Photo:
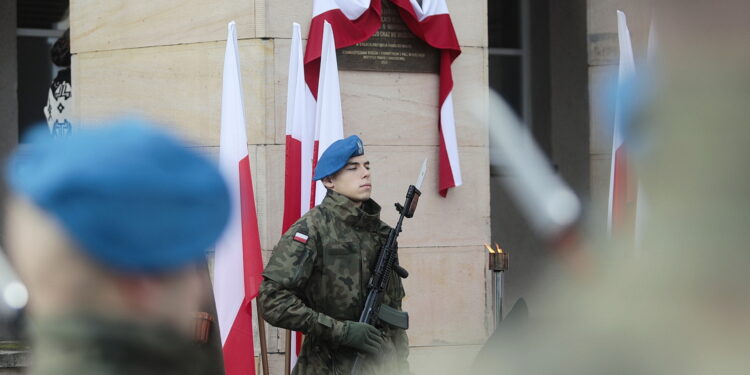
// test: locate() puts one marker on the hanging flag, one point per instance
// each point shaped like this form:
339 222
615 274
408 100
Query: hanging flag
238 263
354 21
652 44
300 140
431 22
329 121
621 190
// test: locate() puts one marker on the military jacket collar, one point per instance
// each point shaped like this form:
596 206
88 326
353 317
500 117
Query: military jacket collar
367 216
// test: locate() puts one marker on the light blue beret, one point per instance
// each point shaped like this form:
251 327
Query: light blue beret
132 197
337 155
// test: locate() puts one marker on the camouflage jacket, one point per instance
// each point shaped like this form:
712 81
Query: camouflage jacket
88 345
317 278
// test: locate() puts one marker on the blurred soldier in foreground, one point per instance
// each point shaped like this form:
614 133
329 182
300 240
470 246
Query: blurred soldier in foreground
107 228
682 305
316 279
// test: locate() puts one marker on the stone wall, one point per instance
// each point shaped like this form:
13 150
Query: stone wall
164 59
8 91
8 78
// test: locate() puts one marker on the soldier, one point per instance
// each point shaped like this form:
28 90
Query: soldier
316 279
107 228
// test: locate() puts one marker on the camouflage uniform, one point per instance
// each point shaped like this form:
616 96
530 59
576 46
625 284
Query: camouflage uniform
315 286
88 345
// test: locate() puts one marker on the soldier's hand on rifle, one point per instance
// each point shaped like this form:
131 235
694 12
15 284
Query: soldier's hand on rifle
363 337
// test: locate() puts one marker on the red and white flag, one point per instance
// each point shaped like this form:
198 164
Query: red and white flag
621 185
300 143
300 137
329 121
431 22
354 21
238 262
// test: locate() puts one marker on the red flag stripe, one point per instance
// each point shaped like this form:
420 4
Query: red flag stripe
313 185
622 181
239 345
252 257
238 263
623 191
292 182
348 33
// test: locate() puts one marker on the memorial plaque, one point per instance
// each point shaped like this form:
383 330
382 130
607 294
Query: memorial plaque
393 48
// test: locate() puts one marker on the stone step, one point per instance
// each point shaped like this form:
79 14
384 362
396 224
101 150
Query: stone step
14 357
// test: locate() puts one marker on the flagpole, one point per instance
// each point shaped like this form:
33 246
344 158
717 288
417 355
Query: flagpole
262 338
288 353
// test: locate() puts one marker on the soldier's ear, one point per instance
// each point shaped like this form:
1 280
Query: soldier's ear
328 182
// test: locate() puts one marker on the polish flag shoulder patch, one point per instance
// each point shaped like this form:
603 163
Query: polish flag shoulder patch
301 238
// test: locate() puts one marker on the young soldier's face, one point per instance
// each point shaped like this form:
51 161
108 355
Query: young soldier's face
353 180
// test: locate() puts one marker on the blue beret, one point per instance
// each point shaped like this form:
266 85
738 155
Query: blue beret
337 155
132 197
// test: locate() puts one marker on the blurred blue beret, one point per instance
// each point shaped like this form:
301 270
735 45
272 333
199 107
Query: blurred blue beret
134 198
337 155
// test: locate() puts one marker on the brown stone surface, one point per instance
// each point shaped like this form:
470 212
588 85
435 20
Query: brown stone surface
178 85
442 359
445 295
281 13
460 219
602 29
118 24
399 108
602 103
600 175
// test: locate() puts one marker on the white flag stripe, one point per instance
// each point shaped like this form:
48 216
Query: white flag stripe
448 128
352 9
626 73
229 284
329 122
429 8
294 100
295 353
301 117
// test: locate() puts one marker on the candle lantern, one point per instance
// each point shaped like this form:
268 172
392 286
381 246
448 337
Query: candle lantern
498 265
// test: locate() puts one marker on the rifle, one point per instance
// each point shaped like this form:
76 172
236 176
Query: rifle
374 309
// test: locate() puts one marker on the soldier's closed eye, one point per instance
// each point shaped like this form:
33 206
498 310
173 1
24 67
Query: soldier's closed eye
354 166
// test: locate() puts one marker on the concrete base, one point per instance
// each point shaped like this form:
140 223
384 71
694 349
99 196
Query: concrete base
436 360
13 361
